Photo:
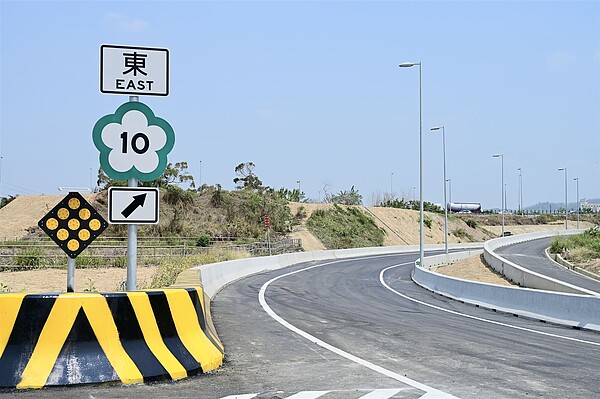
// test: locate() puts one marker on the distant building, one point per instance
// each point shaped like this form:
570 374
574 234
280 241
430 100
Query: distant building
592 206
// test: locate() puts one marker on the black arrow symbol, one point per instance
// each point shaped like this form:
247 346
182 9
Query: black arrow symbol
138 200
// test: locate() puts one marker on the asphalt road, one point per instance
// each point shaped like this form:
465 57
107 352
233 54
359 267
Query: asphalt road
531 255
360 328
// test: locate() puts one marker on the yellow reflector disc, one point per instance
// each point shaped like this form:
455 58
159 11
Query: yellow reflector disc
63 213
51 224
84 234
84 214
95 224
74 203
73 245
62 234
74 224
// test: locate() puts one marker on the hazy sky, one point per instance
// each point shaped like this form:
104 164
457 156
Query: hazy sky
312 91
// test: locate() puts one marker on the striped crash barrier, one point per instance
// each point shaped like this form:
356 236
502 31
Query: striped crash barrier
132 337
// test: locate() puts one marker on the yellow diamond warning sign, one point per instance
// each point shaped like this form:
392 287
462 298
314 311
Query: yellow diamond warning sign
73 224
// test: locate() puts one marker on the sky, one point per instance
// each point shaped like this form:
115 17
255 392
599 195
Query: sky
311 92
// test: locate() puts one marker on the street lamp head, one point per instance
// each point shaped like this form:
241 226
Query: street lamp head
497 155
409 64
562 168
437 128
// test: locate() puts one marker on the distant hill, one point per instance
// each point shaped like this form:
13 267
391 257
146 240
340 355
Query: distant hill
555 206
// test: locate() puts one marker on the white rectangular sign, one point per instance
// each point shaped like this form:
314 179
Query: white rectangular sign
133 205
136 71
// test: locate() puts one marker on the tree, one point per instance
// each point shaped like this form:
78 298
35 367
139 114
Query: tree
294 195
246 178
351 197
6 200
174 174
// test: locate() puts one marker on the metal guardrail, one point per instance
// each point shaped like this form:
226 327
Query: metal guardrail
43 253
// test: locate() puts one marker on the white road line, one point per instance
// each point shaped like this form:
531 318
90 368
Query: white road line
261 298
248 396
308 395
475 317
381 394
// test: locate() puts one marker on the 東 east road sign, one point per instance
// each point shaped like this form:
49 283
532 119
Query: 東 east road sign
135 71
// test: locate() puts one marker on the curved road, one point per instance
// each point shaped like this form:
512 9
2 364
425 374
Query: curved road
360 328
531 255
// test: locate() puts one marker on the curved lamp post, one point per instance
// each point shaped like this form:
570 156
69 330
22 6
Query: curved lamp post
421 233
501 156
566 203
445 202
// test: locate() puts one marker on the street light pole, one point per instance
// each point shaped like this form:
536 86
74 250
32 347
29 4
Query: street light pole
577 188
392 187
421 229
445 200
566 203
501 156
520 191
449 195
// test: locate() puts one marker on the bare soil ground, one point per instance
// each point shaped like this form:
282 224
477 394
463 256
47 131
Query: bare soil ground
473 269
88 279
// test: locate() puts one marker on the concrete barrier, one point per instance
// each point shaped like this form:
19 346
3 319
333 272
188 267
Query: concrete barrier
582 311
522 276
215 276
75 338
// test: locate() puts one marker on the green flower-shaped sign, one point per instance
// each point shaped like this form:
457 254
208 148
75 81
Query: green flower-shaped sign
133 143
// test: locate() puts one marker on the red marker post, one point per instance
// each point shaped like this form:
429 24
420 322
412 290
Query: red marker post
268 228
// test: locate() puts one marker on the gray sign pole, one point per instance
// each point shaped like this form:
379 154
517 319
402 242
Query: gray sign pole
132 238
70 274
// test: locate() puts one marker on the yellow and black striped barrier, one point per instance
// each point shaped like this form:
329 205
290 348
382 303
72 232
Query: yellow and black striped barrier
132 337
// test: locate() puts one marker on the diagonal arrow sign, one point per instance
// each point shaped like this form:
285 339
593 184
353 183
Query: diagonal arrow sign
138 201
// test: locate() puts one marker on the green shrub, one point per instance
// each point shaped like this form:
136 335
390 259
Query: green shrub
471 223
171 268
461 233
30 257
345 228
89 285
85 260
559 245
580 247
120 261
203 241
426 221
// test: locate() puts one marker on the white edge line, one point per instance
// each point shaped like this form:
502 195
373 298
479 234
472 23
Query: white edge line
340 352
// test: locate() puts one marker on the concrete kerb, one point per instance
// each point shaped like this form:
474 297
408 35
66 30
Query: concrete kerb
575 310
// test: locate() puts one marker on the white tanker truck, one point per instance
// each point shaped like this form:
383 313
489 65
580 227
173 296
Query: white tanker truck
464 207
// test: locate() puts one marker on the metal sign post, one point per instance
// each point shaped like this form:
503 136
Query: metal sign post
70 275
131 248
